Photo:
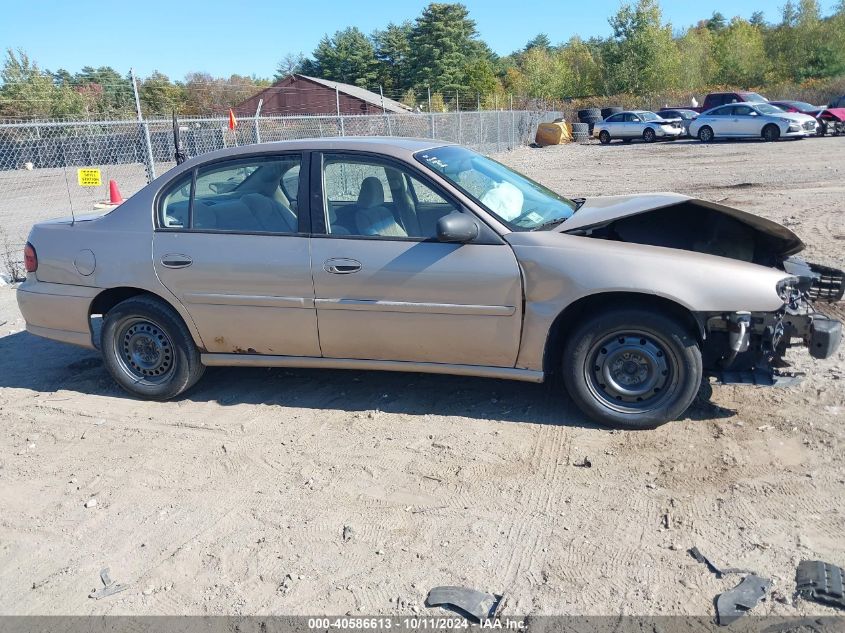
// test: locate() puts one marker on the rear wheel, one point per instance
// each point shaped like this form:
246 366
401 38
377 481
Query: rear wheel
771 132
632 368
604 137
148 350
705 134
649 135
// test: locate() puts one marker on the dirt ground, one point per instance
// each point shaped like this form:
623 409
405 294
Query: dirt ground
306 492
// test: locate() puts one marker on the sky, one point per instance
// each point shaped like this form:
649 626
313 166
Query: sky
249 38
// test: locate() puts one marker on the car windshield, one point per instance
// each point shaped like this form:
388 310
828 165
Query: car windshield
519 202
801 105
648 116
753 96
768 108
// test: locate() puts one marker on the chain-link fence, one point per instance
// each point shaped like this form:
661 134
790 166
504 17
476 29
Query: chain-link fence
39 160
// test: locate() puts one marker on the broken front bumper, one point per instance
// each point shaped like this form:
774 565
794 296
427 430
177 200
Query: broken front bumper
750 347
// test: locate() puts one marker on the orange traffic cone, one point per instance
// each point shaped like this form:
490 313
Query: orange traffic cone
114 193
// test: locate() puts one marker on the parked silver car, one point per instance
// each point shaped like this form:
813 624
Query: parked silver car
751 120
634 124
411 255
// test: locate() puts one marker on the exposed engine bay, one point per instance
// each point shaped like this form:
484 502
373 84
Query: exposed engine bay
741 347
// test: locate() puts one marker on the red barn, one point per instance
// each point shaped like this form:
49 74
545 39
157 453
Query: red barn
300 94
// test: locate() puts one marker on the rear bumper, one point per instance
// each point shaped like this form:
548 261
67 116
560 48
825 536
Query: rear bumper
57 311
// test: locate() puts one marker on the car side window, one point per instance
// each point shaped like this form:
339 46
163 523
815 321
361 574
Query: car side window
373 198
247 195
175 206
632 118
615 118
742 111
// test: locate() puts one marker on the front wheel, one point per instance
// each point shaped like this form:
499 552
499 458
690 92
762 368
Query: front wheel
632 368
604 137
705 134
649 135
771 133
148 350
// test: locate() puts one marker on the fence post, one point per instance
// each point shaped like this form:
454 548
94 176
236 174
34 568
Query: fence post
339 115
480 122
384 112
513 125
498 124
458 109
431 113
144 129
258 114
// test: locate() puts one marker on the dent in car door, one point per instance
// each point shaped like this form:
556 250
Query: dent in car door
385 296
247 285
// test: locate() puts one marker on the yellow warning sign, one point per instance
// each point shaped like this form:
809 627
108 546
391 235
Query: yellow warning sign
89 177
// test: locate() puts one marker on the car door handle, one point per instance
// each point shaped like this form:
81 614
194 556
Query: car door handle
176 261
341 266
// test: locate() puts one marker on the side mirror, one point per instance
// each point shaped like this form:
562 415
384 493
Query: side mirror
457 228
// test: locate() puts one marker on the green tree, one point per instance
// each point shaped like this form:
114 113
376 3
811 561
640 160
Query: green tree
541 40
716 22
698 67
160 96
348 57
28 91
392 50
641 55
443 44
740 55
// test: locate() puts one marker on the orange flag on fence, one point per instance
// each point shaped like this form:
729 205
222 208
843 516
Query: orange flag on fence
233 122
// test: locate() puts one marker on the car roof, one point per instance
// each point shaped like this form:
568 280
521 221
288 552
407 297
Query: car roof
398 147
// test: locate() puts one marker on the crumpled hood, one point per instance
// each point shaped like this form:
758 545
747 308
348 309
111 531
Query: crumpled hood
600 211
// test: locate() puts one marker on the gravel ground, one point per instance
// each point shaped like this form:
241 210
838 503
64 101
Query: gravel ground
303 492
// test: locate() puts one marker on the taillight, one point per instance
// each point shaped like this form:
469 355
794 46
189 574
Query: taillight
30 258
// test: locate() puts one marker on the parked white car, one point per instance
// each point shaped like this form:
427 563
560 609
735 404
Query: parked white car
641 124
751 120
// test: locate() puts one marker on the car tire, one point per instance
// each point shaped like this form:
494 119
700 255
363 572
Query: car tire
705 134
148 349
632 368
649 135
604 137
771 133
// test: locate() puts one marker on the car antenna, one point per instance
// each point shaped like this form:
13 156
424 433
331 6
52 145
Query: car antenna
177 142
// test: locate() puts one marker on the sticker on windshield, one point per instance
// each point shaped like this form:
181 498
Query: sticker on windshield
535 217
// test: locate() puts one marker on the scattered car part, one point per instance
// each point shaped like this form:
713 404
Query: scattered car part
477 604
821 582
719 571
584 463
109 588
733 604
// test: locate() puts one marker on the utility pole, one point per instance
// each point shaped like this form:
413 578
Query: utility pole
144 129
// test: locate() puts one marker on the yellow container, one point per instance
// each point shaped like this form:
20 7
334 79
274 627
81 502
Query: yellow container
553 134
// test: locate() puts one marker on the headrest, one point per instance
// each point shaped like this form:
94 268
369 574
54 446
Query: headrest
372 193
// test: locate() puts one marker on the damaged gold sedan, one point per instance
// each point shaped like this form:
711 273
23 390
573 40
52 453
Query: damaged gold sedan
409 255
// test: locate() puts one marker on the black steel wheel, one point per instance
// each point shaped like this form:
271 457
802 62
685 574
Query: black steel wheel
148 349
144 351
634 368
